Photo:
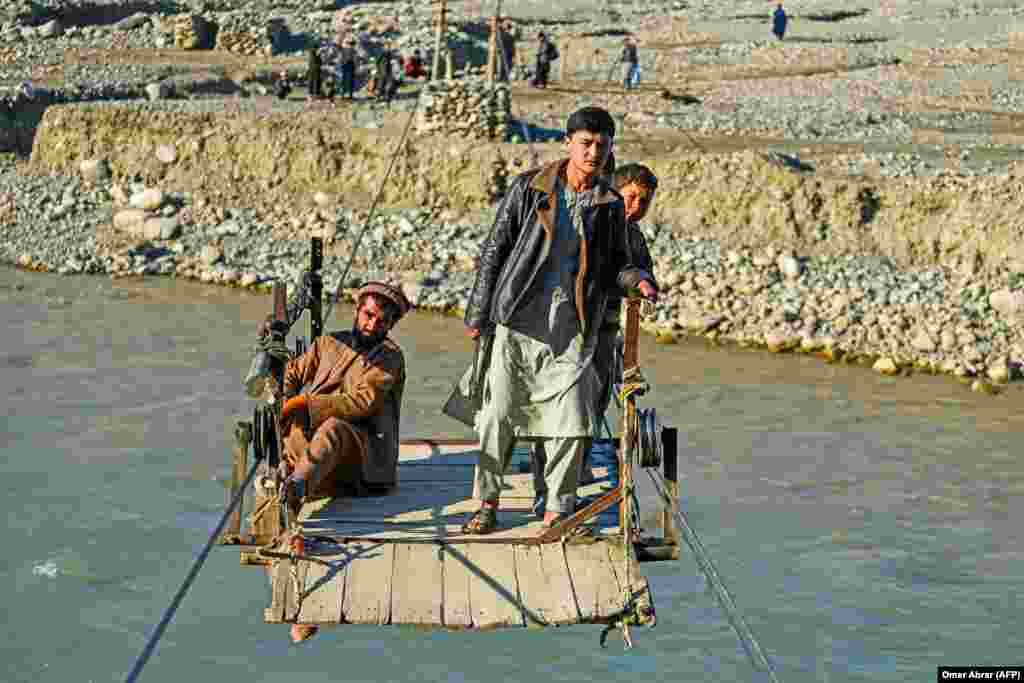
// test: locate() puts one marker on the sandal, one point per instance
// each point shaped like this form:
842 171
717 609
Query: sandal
483 521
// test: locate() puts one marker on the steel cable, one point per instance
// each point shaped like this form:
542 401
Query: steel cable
158 632
732 612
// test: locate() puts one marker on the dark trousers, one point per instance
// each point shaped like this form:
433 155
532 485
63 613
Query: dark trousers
348 80
314 82
543 71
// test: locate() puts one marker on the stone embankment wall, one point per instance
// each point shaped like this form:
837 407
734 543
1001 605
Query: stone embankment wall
740 200
253 154
471 109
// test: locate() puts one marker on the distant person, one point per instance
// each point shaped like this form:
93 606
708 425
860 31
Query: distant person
507 39
283 87
384 83
413 66
313 75
779 20
630 64
347 58
546 53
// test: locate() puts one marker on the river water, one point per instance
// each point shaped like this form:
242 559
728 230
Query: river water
868 527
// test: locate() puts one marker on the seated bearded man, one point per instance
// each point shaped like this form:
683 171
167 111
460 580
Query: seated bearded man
341 414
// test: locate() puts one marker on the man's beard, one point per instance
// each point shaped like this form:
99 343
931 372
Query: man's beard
365 342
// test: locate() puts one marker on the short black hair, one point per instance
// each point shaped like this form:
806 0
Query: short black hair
634 173
591 119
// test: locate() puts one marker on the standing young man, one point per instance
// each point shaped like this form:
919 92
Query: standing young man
558 248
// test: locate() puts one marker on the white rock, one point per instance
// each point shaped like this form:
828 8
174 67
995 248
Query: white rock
94 170
161 228
1009 304
158 91
405 226
228 228
886 366
50 29
167 153
151 199
788 266
779 341
210 254
322 199
999 371
118 194
922 341
129 220
249 279
136 20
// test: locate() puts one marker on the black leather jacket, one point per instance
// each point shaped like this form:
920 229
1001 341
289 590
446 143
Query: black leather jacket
519 244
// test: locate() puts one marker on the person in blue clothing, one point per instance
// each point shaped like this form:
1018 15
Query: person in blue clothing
779 20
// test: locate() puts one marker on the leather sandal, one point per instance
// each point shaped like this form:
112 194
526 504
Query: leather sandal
483 521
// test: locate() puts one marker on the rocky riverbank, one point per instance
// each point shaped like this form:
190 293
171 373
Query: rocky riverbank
966 322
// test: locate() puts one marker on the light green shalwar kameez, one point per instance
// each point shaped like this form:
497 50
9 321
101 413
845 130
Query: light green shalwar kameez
541 380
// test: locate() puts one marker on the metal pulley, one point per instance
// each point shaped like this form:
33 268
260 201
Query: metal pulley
650 449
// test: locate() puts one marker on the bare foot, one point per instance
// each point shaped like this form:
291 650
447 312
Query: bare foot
301 632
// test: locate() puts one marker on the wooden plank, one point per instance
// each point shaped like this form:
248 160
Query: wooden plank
279 592
494 593
367 597
544 585
415 472
239 468
598 593
295 590
417 584
458 610
323 590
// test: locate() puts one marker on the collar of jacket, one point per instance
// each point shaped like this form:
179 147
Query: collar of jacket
546 181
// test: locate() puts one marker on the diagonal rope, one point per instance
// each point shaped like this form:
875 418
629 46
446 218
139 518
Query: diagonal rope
158 632
373 211
732 612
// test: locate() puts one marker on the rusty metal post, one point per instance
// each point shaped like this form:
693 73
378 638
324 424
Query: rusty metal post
630 360
440 40
239 467
670 465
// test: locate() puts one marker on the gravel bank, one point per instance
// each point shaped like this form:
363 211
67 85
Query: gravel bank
863 309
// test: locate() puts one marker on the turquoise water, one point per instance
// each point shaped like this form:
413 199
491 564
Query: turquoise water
869 528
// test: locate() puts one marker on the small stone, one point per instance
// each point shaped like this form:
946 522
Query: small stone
158 91
137 20
118 194
211 254
999 371
947 340
129 220
922 341
249 279
167 154
982 387
885 366
322 199
1009 304
50 29
151 199
94 170
777 342
789 266
161 228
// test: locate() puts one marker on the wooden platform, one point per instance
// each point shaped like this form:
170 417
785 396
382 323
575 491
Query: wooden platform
401 558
